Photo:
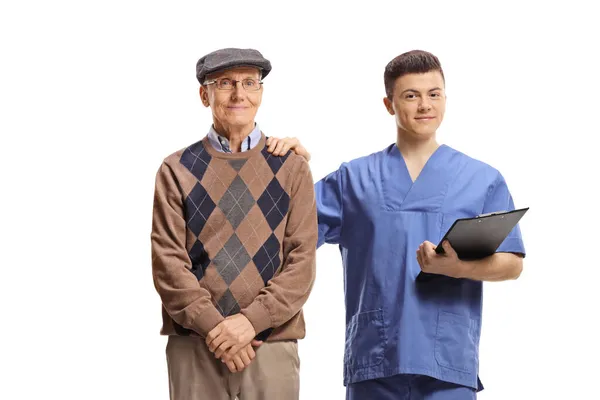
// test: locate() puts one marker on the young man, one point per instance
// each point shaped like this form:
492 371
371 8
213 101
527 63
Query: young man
234 239
408 339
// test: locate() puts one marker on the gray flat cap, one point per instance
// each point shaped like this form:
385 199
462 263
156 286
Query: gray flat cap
228 58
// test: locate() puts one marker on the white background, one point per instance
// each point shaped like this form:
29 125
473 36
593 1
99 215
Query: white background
95 94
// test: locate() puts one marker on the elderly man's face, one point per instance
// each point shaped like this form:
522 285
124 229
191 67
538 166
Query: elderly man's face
235 108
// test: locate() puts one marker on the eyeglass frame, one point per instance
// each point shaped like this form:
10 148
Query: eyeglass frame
235 82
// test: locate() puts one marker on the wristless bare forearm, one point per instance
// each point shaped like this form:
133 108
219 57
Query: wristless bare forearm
495 268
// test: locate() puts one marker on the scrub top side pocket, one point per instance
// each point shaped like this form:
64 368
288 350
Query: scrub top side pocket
365 340
456 342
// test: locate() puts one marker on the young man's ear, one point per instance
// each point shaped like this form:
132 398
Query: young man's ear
388 105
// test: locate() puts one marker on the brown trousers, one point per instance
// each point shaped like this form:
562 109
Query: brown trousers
195 373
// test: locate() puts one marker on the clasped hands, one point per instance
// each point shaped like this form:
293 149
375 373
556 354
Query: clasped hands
232 341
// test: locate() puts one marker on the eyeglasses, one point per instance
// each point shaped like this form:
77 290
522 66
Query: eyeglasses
249 84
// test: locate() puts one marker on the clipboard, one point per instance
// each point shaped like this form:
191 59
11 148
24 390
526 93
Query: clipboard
478 237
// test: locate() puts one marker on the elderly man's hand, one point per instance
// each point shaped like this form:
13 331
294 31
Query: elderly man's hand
243 358
230 355
279 147
233 333
442 264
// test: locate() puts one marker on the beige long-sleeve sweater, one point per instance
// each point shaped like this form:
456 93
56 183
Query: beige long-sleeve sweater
234 233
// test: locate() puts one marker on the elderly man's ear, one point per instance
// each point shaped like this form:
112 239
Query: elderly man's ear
204 96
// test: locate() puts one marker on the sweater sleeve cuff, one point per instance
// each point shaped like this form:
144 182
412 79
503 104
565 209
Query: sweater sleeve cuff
258 316
206 321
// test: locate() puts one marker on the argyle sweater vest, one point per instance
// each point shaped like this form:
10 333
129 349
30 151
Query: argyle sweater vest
234 233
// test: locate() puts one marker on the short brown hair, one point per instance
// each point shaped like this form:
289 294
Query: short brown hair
411 62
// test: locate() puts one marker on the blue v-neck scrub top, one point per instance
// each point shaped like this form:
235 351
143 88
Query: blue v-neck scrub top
371 208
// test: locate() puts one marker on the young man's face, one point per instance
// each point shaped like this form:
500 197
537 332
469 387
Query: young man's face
418 103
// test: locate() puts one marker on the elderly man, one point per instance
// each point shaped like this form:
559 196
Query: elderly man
234 238
409 338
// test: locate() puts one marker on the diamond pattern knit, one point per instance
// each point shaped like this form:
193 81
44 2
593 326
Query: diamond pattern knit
246 226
